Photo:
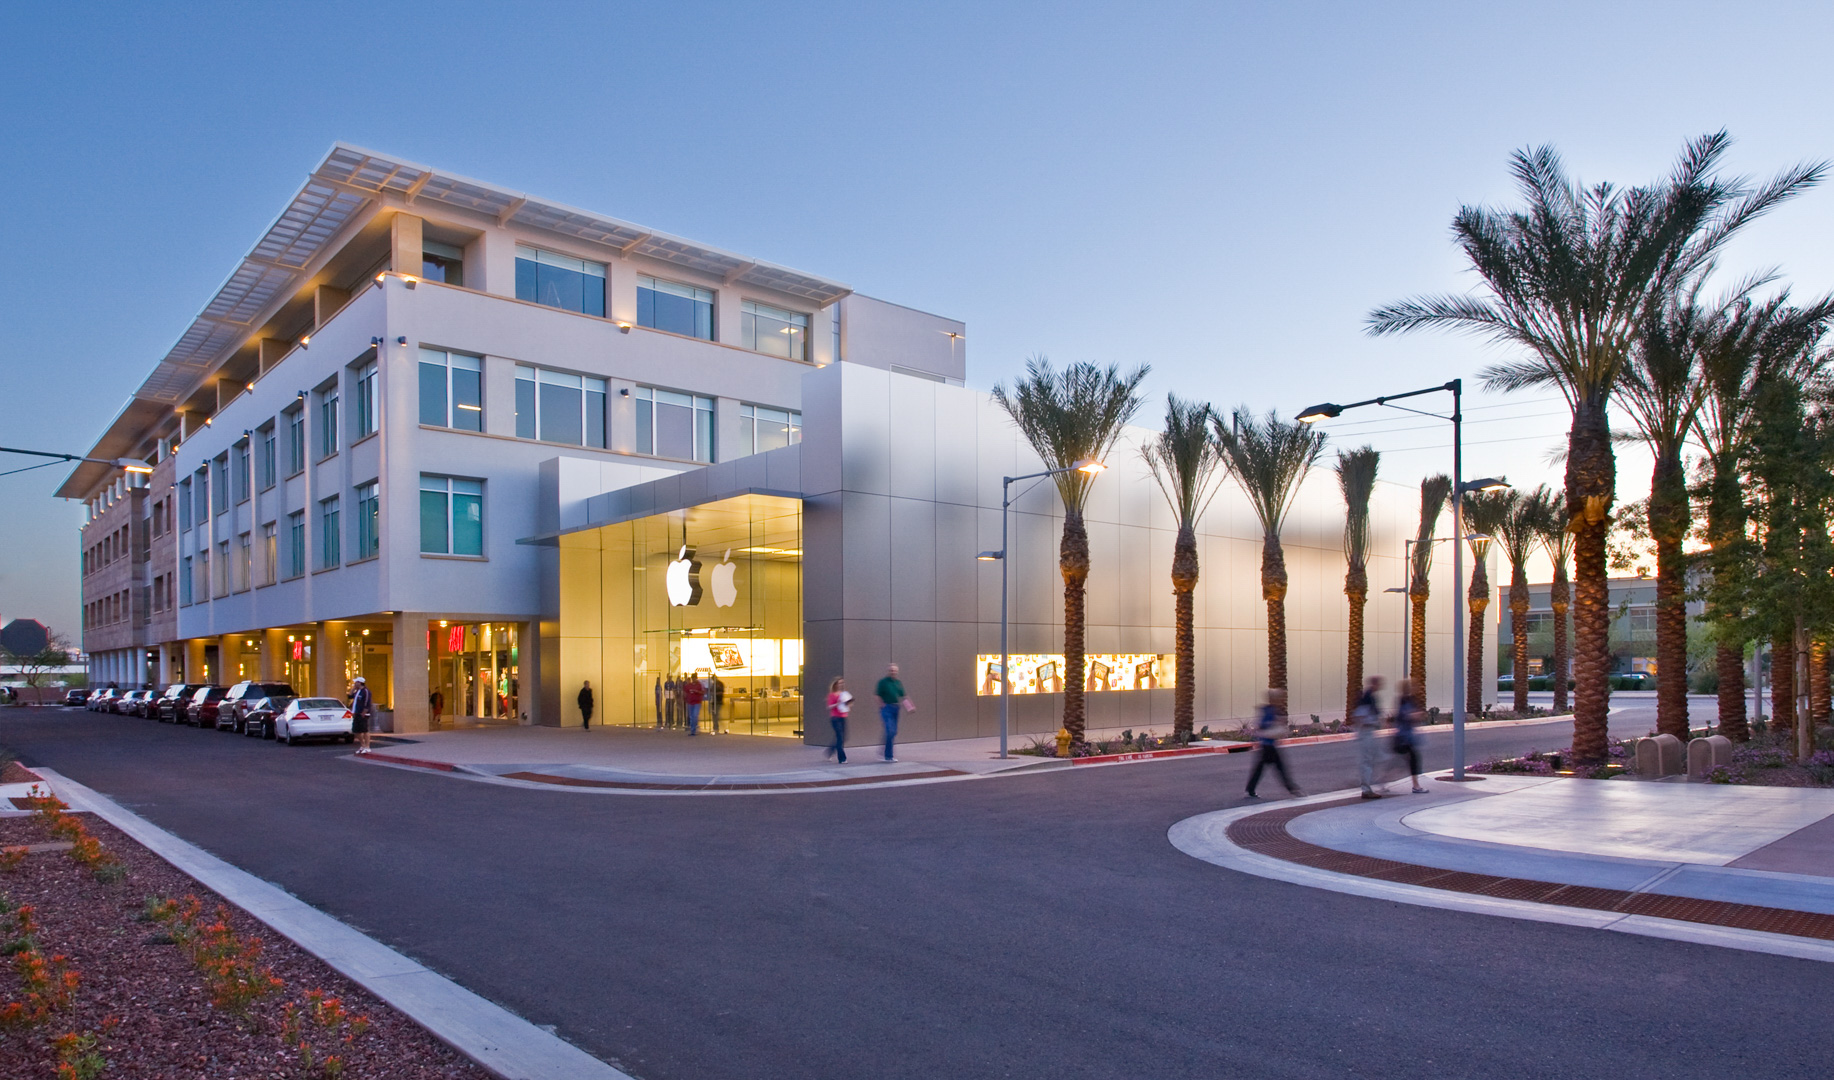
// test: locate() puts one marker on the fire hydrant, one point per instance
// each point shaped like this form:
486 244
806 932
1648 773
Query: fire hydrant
1063 742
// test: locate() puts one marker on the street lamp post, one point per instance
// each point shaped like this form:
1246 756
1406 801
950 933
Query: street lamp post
1459 487
1003 557
133 465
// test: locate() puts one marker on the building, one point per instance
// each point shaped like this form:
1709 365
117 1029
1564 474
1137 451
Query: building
1633 626
480 447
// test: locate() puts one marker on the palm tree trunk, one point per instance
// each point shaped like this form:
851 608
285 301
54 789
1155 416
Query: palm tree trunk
1819 698
1668 525
1729 663
1559 598
1591 483
1518 625
1725 528
1416 641
1073 559
1184 586
1782 683
1273 590
1356 587
1477 598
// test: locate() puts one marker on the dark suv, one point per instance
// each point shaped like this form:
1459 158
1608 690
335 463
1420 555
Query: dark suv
169 707
232 713
201 708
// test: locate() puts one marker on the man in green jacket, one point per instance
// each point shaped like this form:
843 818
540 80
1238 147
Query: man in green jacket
892 701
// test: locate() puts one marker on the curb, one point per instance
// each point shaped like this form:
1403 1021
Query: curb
503 1043
1181 751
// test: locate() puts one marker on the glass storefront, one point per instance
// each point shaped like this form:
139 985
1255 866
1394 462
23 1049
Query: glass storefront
474 673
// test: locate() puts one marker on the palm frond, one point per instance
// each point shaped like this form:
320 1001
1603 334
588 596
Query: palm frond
1356 477
1184 459
1434 491
1269 457
1071 416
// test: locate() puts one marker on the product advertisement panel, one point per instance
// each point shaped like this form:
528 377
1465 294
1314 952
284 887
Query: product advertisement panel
1043 673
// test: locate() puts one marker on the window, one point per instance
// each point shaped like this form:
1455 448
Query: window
184 505
554 406
220 583
159 593
202 507
185 581
1540 622
451 390
369 517
762 428
296 543
442 262
296 440
451 516
245 559
328 420
242 472
674 425
264 462
1642 620
560 281
219 483
773 330
270 553
677 308
366 400
330 541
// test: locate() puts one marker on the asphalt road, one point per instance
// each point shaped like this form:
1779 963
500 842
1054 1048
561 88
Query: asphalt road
1037 926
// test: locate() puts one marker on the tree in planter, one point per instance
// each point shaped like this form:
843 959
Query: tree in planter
1269 458
1356 476
1434 491
1519 534
1572 278
1485 513
1184 461
1069 418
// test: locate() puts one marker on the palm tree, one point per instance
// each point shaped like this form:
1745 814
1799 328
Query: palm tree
1184 461
1434 491
1557 541
1484 514
1071 418
1356 476
1519 534
1572 279
1269 458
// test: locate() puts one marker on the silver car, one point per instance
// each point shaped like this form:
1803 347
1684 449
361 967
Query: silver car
314 718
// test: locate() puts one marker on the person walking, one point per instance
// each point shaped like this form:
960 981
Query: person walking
585 705
658 703
840 703
670 691
436 704
1270 728
892 702
716 697
362 708
1365 717
1407 718
692 694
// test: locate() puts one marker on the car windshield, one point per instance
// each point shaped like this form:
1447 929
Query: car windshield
320 703
279 690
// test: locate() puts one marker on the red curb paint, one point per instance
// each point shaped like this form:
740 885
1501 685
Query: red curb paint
441 766
1147 755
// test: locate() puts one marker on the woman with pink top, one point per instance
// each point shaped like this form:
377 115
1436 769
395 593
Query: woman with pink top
839 703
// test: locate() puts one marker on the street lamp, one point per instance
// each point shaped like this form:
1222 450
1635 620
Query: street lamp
128 464
1089 466
1456 388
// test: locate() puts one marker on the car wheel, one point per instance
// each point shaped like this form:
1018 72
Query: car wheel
267 730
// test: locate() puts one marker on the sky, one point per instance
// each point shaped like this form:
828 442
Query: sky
1222 191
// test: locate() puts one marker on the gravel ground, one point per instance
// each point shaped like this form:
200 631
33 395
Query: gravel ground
146 1001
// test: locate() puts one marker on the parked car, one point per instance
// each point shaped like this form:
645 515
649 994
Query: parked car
101 699
312 718
201 708
169 707
76 697
134 702
258 720
232 714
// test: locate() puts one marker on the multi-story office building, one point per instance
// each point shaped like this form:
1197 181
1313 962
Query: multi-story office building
480 448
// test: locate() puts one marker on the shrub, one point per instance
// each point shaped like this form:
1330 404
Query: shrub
231 965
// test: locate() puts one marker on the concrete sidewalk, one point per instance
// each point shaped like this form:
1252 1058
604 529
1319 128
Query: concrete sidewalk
1740 866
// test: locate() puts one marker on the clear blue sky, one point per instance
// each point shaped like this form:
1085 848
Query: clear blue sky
1220 190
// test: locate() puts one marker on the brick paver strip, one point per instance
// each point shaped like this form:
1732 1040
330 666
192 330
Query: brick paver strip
644 785
1266 834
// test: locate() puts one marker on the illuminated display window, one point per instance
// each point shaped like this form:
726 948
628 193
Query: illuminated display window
1042 673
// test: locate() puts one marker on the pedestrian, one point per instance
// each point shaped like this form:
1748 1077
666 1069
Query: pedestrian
1270 728
1407 718
361 709
892 701
840 702
436 704
692 694
1365 717
658 703
669 694
585 705
716 697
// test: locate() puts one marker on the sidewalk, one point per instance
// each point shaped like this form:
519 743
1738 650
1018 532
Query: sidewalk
1743 867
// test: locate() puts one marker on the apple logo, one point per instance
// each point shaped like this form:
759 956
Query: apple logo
683 579
725 591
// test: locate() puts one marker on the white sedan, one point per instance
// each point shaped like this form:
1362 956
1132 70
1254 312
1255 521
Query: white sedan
311 718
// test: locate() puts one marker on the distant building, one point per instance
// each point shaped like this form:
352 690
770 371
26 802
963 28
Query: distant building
1633 627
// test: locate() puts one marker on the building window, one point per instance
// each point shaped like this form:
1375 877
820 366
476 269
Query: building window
264 462
442 262
1641 620
296 440
560 281
270 553
202 506
369 518
219 483
762 428
220 585
328 420
242 472
674 425
677 308
184 505
159 593
365 393
554 406
296 543
330 541
451 515
451 390
245 558
185 580
773 330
